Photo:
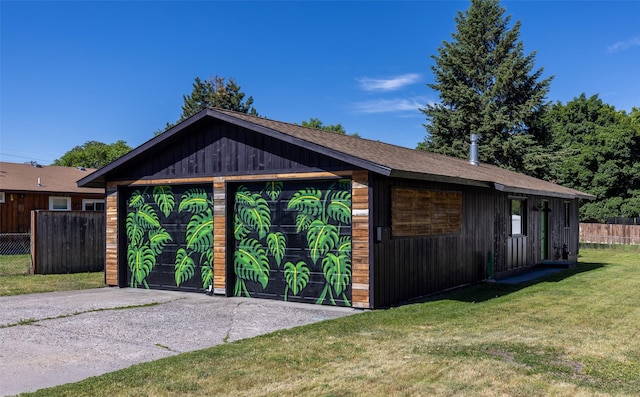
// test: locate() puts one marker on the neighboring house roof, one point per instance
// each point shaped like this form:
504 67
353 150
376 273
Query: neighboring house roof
53 179
376 156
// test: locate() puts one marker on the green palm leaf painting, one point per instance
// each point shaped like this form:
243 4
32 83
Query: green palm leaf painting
303 222
273 189
297 276
158 239
135 231
137 199
239 230
344 246
206 259
163 197
321 238
243 196
250 262
141 260
339 208
200 232
194 201
254 213
147 217
277 244
307 201
184 268
337 271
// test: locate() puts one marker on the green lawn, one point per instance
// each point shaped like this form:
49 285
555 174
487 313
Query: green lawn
574 334
29 284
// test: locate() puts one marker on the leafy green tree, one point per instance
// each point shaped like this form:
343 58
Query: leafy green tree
93 154
598 152
337 128
486 86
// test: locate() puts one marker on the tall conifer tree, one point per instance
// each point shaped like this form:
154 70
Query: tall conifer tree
215 92
486 86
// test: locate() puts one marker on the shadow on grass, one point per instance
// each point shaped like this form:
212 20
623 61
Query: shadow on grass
486 291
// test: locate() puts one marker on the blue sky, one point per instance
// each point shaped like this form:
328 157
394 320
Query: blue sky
72 72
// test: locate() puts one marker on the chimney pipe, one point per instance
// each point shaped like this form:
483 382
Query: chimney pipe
473 150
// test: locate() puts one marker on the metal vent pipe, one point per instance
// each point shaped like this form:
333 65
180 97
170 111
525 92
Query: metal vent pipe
473 150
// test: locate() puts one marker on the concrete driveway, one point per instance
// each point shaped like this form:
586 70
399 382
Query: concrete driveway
54 338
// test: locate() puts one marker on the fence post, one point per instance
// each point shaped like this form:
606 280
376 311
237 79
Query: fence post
32 237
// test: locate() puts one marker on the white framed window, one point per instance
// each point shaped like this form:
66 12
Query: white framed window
92 205
1 197
59 203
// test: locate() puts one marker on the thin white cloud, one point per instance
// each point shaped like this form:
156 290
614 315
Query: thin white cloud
390 84
390 105
625 45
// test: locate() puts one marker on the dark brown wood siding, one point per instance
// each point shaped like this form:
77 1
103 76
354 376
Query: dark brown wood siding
15 212
515 254
217 148
409 267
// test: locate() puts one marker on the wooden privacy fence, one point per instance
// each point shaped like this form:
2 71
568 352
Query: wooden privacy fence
67 241
598 233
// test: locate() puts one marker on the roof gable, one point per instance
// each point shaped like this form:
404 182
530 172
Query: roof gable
375 156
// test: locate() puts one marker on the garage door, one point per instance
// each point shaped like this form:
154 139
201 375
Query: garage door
292 241
169 237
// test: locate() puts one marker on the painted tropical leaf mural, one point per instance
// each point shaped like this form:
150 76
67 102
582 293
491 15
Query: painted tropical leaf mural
239 230
307 201
337 271
200 232
303 222
137 199
135 231
344 245
277 244
297 276
206 259
147 217
339 207
141 260
250 262
194 201
243 196
273 189
158 239
254 213
185 267
321 238
163 197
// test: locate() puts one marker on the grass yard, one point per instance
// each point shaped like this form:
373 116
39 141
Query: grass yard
29 284
574 334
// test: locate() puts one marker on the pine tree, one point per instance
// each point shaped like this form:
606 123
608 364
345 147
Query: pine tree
215 92
486 87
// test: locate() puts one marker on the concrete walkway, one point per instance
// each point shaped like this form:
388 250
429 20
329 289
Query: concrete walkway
55 338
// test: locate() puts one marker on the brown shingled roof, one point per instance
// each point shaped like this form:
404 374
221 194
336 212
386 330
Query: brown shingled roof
411 163
376 156
24 178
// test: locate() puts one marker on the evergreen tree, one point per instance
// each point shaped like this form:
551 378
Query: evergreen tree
215 92
487 87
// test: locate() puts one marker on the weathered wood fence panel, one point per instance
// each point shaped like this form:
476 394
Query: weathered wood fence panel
598 233
67 241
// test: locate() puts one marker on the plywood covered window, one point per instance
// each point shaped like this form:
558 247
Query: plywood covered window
418 212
